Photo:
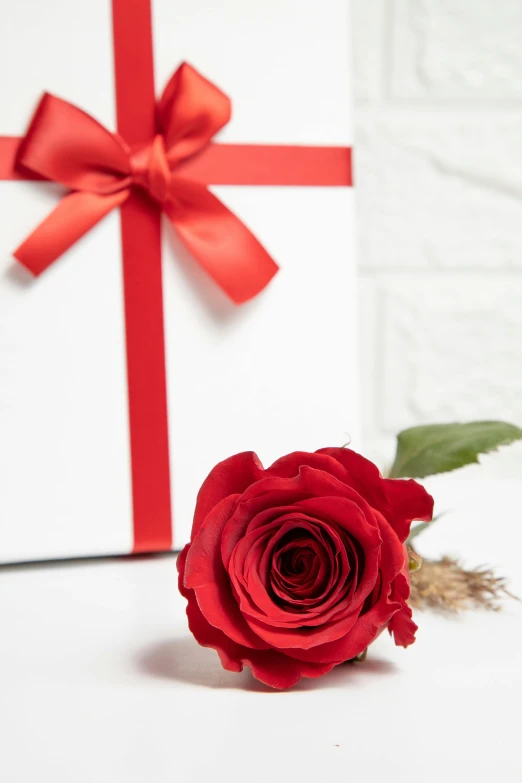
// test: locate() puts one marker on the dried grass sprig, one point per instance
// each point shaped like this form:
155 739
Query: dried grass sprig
445 585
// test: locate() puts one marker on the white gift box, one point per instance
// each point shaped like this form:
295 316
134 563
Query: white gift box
274 375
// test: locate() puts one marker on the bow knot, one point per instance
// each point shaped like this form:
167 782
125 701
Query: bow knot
150 169
66 145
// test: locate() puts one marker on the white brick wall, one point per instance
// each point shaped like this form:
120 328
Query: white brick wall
438 167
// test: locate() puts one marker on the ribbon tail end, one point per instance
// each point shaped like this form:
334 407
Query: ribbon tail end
257 285
27 261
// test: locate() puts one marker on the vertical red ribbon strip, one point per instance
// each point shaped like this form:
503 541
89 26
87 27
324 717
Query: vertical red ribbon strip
143 288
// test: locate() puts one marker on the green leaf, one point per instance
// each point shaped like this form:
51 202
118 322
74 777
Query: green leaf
439 448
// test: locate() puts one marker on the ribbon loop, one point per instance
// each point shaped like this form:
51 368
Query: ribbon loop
190 112
66 145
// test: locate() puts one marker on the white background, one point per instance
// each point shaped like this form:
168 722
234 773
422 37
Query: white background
102 682
438 157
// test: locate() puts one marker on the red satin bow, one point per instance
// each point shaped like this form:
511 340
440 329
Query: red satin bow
66 145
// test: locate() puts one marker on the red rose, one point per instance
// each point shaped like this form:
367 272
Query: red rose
297 568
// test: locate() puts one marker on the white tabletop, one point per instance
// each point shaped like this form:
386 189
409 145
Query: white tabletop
101 682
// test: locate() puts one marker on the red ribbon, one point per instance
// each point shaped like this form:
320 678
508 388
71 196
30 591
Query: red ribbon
66 145
160 160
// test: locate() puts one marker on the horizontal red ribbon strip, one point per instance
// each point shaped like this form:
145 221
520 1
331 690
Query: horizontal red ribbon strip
239 164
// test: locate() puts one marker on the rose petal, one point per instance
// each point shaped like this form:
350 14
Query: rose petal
408 500
269 666
259 579
251 579
180 565
399 500
348 514
248 557
230 477
394 554
401 625
303 638
363 476
370 624
289 466
204 573
359 637
306 587
350 518
367 626
269 494
256 510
